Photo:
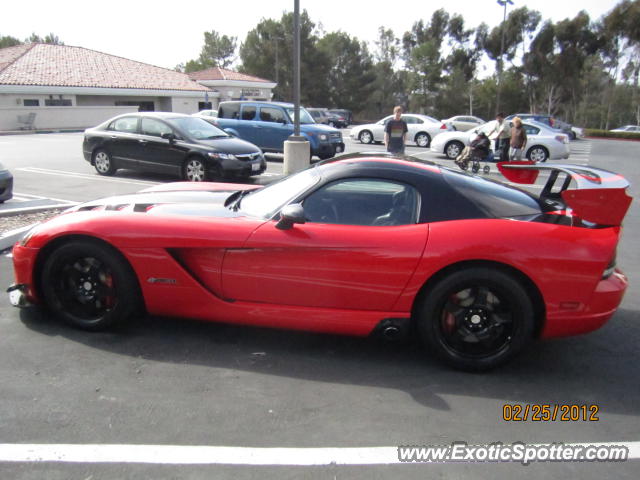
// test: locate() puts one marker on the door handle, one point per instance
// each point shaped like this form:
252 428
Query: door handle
142 141
114 136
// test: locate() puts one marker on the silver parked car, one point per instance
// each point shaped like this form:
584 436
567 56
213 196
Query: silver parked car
421 129
462 123
543 142
627 128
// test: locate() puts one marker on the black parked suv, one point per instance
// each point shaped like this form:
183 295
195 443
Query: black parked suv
172 143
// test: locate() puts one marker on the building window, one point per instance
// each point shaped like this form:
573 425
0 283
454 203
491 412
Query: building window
143 106
57 102
205 106
29 102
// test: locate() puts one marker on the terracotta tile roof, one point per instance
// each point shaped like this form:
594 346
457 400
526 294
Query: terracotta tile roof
10 54
65 66
217 73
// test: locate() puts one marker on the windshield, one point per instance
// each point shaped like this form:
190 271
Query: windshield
305 117
268 200
197 128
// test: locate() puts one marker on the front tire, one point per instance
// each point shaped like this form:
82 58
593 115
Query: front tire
194 170
476 318
103 163
423 140
89 285
365 137
453 149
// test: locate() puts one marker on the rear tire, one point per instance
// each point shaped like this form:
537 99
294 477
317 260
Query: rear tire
89 285
476 318
423 140
103 163
538 154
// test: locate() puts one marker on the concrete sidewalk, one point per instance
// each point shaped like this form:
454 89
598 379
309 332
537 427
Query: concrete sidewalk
44 130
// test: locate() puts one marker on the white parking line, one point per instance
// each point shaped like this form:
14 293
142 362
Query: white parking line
5 211
27 196
207 455
62 173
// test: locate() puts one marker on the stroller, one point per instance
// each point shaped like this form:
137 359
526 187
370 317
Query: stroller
478 152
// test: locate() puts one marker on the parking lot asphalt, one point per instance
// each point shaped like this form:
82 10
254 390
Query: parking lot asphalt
178 382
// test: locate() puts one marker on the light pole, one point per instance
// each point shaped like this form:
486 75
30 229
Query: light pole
296 147
277 39
504 4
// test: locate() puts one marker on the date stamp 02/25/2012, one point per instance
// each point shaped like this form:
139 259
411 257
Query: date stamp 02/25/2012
518 412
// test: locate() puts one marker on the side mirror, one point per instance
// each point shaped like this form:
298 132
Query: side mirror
290 215
169 136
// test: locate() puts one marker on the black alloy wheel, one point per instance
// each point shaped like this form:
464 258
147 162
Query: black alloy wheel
89 285
476 319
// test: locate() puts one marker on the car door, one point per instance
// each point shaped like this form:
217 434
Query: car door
378 129
247 126
156 153
414 125
274 128
121 140
465 123
357 250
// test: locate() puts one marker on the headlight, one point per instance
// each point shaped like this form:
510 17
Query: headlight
323 137
222 156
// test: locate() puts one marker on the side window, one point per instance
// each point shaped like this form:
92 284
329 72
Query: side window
363 201
230 110
531 130
410 120
153 127
248 112
270 114
126 125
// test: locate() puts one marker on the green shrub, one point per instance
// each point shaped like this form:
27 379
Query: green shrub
592 132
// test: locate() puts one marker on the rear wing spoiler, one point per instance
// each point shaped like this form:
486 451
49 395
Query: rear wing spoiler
597 195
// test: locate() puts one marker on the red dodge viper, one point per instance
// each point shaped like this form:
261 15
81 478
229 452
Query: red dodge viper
357 245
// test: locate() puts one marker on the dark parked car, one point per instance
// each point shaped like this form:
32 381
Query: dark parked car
324 115
170 143
346 114
6 184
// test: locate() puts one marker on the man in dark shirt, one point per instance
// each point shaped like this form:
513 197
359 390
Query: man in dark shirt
395 132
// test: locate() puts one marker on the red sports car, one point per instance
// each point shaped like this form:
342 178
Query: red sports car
357 245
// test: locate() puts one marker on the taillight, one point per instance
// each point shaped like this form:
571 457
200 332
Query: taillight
610 268
443 127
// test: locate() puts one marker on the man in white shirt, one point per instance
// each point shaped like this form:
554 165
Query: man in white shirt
502 135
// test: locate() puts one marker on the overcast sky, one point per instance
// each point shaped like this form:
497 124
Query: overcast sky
166 33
